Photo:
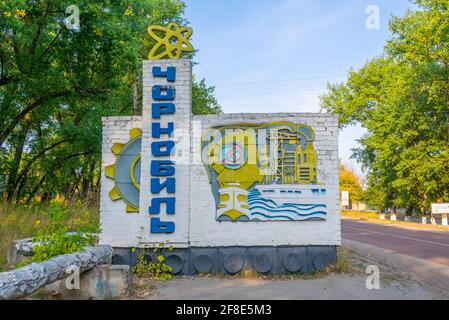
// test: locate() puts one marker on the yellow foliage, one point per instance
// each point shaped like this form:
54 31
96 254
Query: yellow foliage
129 12
350 181
58 199
20 12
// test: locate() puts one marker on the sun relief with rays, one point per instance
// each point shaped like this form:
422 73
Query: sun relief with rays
126 171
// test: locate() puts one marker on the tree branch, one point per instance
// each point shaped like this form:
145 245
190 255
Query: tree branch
27 168
41 101
3 80
28 109
51 44
3 64
38 33
129 105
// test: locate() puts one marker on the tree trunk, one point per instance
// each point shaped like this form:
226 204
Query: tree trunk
35 190
27 168
75 185
135 97
87 180
44 197
12 179
447 111
19 189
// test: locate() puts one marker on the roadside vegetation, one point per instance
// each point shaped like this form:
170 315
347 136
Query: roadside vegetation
49 224
375 217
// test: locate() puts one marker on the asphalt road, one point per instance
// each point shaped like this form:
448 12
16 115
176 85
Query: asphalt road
422 244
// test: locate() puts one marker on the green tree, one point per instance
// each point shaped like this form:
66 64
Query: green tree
203 99
402 99
56 84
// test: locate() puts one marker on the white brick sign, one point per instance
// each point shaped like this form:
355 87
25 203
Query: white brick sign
219 181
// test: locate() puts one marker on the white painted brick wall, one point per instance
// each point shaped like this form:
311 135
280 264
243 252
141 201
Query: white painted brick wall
206 231
195 209
118 227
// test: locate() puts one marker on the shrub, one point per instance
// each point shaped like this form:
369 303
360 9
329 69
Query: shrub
59 238
156 270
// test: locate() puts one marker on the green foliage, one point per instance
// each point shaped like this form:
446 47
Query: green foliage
203 99
27 221
402 99
56 84
57 238
157 270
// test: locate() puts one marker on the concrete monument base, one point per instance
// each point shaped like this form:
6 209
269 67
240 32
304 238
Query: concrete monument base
233 260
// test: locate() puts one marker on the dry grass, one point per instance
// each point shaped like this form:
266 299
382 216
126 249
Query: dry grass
44 295
143 287
374 217
345 262
360 215
20 222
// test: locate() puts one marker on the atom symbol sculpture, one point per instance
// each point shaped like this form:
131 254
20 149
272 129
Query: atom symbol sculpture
175 41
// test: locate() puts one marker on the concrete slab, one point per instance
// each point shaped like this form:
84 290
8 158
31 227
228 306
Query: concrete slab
102 282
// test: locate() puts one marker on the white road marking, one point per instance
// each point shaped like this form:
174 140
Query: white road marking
400 237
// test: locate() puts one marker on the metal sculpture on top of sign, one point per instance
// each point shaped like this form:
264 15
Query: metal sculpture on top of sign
264 173
173 41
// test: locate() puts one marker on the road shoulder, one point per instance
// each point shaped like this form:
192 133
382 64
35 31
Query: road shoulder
431 276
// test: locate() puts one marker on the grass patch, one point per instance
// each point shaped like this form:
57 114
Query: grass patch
360 215
43 295
26 221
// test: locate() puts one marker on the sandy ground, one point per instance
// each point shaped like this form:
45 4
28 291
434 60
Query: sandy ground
341 287
395 284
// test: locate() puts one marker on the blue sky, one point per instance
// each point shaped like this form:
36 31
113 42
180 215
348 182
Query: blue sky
278 55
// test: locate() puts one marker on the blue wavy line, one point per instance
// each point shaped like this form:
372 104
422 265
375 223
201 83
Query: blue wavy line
272 217
265 201
290 211
312 206
296 206
252 199
308 208
277 217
